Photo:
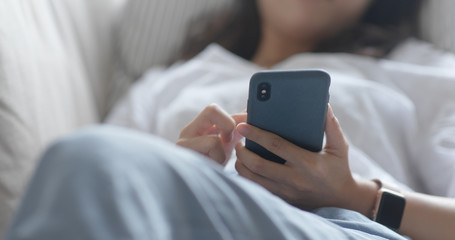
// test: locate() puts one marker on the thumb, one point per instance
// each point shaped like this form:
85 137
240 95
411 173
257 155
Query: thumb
336 143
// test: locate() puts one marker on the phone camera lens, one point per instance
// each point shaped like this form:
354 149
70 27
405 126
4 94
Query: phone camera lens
263 92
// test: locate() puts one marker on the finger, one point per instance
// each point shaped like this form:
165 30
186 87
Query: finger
239 117
268 184
336 143
268 169
211 131
273 143
229 146
209 146
211 116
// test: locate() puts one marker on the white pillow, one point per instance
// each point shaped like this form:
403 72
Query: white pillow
151 31
54 68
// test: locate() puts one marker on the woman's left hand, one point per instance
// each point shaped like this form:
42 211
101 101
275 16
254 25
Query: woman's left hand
212 133
307 180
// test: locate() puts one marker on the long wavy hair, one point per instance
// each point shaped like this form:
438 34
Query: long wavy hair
383 26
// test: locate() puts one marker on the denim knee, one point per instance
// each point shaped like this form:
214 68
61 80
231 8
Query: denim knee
106 148
86 147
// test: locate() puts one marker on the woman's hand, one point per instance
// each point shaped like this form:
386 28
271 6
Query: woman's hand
307 180
212 133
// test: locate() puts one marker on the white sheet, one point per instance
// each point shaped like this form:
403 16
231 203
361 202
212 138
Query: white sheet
396 115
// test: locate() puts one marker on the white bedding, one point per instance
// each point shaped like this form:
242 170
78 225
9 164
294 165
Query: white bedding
398 114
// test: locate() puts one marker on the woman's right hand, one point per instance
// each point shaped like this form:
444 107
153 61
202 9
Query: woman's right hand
212 133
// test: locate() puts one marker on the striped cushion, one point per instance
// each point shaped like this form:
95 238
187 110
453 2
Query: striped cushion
152 31
54 69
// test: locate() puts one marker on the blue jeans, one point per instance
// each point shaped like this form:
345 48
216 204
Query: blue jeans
112 183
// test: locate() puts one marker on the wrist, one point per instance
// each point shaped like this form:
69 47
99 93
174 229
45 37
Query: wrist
362 197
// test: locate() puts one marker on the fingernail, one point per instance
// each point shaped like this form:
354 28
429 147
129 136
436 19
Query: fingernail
230 136
242 129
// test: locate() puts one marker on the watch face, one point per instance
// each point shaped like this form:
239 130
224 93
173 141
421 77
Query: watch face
391 210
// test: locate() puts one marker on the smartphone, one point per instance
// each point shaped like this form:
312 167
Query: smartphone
292 104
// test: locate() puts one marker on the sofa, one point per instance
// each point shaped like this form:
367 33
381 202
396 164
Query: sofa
65 63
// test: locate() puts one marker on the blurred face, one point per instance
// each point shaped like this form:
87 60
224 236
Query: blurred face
310 19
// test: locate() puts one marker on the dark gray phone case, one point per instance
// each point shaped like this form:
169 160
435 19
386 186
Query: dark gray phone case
296 108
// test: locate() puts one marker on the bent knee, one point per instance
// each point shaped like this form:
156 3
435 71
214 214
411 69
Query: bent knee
88 146
107 149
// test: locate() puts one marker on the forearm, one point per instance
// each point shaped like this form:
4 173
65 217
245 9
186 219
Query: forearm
428 217
424 217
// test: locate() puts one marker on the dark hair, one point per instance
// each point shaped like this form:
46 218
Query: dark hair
384 25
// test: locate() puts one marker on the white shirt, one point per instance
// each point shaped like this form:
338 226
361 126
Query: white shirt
397 114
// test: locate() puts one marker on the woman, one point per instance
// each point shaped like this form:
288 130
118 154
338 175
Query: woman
315 181
366 93
95 196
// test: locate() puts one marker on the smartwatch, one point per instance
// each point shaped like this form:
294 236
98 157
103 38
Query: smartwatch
389 208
